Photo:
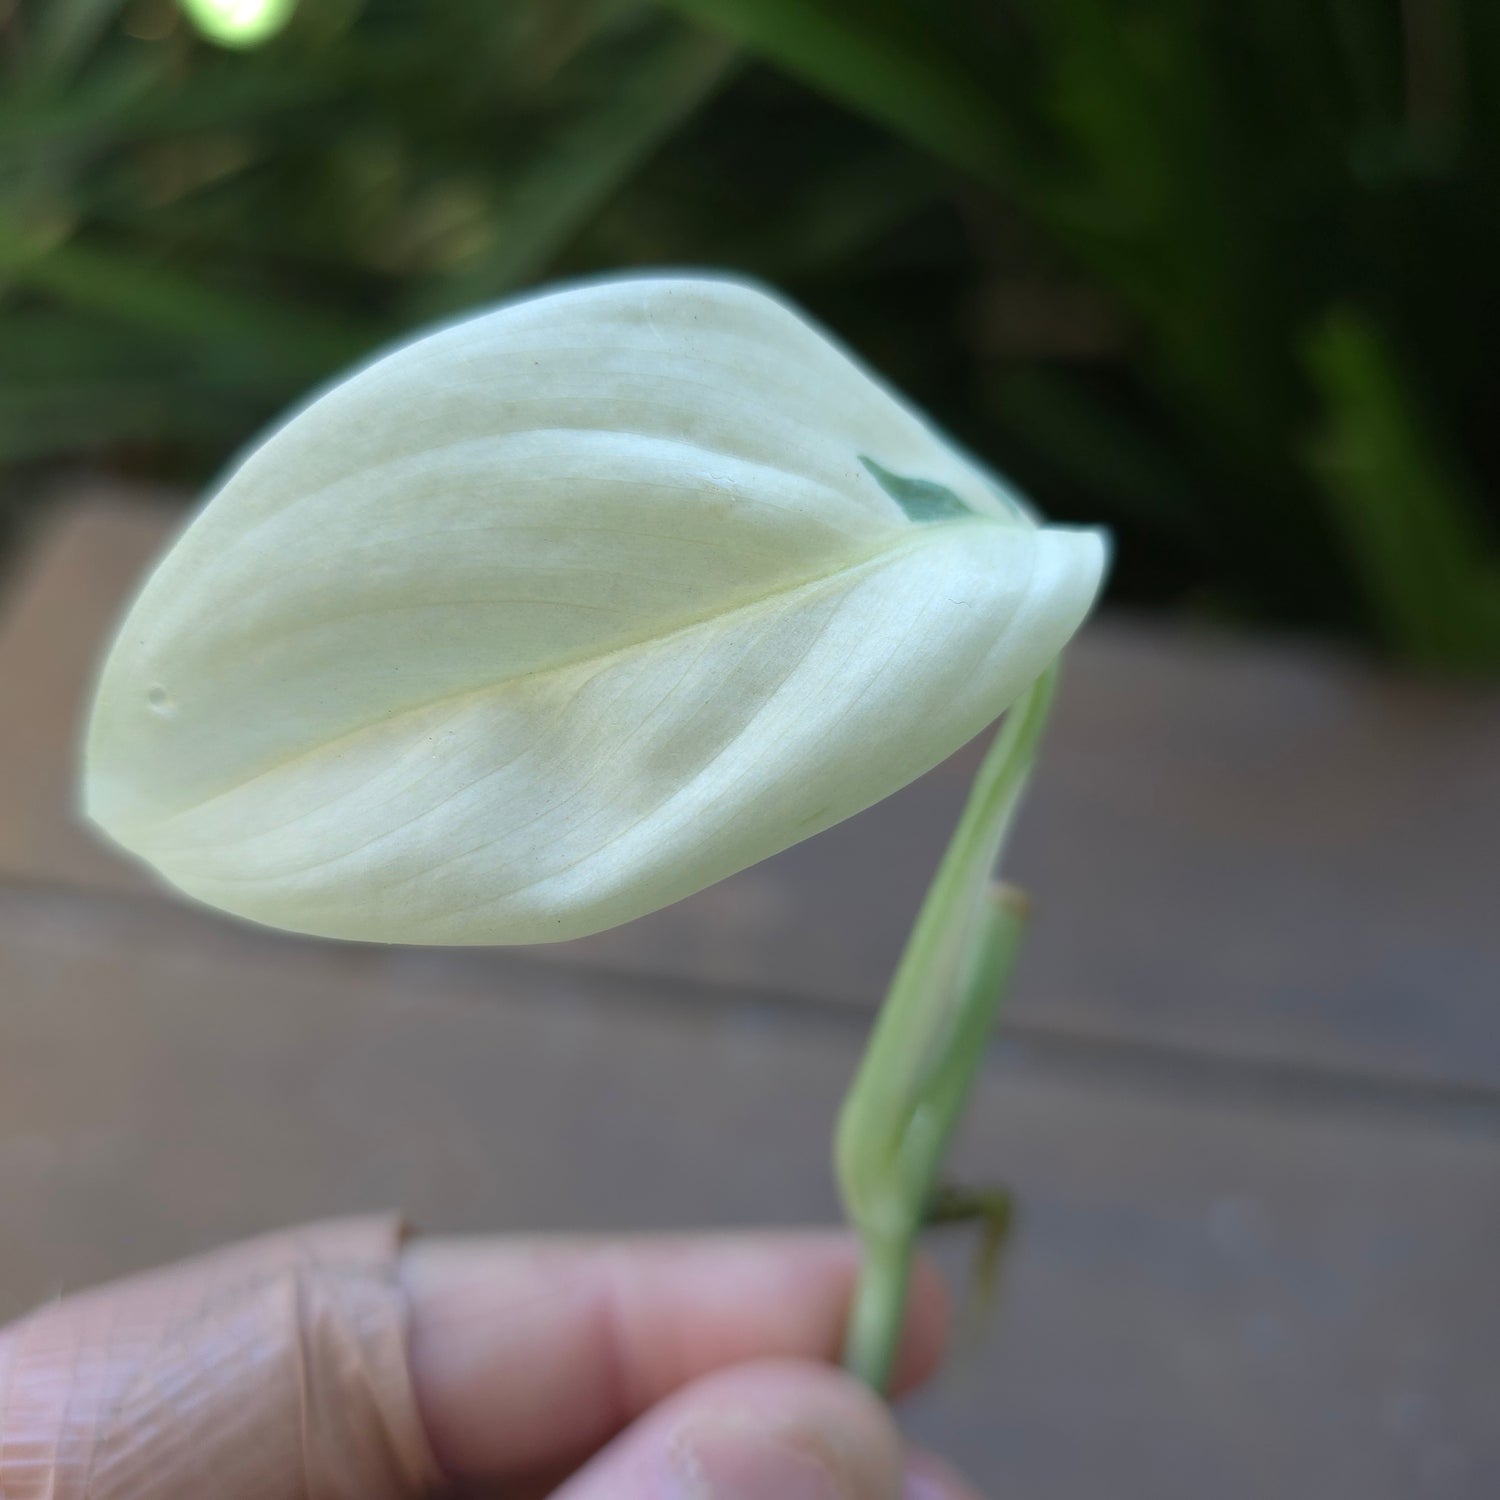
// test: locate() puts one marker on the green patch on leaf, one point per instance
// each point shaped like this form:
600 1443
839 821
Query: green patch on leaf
921 499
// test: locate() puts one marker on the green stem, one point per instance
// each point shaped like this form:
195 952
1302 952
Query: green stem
879 1306
880 1295
925 1050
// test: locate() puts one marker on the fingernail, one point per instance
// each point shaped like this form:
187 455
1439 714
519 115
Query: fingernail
929 1478
740 1463
925 1487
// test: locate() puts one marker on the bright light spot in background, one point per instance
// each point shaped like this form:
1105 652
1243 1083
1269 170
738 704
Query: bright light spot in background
239 23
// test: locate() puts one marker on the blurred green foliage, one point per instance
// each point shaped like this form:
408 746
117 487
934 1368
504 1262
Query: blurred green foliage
1220 275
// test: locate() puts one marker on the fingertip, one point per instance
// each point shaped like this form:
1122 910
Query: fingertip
789 1429
929 1477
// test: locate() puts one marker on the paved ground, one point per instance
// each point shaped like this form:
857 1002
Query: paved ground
1249 1090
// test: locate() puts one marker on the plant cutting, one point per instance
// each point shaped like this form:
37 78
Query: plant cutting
555 616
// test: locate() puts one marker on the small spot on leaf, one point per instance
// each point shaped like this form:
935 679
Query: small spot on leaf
921 499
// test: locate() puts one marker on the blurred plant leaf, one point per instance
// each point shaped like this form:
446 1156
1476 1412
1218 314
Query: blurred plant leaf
246 329
1171 195
842 213
1411 526
888 58
64 31
135 102
566 182
1100 449
87 419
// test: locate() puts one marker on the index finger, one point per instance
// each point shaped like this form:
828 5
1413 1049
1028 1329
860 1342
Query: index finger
527 1354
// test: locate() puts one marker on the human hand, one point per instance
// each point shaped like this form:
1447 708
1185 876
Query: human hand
343 1360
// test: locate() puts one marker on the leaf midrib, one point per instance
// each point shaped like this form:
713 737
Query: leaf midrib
923 535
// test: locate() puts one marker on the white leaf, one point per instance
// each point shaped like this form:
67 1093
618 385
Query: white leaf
558 615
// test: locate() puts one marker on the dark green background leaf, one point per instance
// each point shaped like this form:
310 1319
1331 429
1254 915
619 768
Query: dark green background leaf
1219 276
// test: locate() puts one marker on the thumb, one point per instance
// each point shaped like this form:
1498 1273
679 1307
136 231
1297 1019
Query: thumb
771 1430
